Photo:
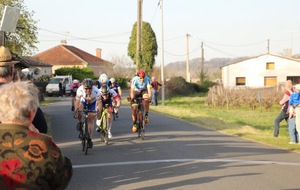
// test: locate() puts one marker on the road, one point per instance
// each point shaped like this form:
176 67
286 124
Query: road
175 155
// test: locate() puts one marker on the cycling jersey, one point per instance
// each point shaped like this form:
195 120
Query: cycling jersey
116 87
140 85
111 94
91 101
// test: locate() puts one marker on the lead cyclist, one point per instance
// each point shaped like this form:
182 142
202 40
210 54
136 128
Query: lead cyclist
88 95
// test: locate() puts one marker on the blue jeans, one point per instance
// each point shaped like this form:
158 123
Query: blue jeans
282 115
154 97
292 130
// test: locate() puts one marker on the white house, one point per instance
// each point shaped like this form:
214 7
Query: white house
261 71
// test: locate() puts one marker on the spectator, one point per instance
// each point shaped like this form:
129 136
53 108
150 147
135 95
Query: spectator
154 90
284 112
6 75
28 159
60 86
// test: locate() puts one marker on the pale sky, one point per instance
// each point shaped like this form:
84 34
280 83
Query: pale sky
228 28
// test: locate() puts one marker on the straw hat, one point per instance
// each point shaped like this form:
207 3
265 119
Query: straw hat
5 57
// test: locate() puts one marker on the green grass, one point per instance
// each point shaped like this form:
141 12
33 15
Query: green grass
255 125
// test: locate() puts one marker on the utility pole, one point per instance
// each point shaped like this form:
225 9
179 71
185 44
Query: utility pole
202 64
138 32
162 57
188 77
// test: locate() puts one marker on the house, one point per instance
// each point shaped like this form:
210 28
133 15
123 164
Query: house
36 68
261 71
64 55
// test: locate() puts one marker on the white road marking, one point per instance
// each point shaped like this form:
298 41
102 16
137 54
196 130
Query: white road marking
181 161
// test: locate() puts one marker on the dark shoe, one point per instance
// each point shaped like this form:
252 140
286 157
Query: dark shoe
90 143
117 115
72 109
98 129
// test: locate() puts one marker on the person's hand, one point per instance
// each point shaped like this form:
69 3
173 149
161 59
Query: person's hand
32 128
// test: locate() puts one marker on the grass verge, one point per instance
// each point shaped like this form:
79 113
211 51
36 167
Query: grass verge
255 125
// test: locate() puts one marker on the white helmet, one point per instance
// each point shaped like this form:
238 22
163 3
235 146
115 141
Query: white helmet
112 80
103 78
75 81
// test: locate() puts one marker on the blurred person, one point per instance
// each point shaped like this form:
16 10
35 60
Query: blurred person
284 112
154 90
140 88
7 71
73 88
117 88
294 103
29 160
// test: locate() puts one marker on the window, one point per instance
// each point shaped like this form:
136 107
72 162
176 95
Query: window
240 81
270 81
270 65
294 79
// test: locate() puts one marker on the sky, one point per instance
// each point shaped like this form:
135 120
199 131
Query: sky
227 28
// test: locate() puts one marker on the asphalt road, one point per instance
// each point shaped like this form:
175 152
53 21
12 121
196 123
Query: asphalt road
175 155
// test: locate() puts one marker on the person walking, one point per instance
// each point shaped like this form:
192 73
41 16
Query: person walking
284 112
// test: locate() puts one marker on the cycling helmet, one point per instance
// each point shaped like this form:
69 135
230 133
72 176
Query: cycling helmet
75 81
112 80
104 90
87 83
141 73
103 78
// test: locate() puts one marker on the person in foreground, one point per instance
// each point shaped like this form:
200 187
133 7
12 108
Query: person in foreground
6 75
140 87
28 159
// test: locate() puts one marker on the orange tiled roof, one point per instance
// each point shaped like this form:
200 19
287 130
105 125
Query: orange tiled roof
68 55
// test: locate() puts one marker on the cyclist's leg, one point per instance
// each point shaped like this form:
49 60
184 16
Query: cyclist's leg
146 106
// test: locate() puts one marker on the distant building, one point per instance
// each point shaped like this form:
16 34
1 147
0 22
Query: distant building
36 68
261 71
69 56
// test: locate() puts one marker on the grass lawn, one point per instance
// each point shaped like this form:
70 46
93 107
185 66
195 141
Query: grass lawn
255 125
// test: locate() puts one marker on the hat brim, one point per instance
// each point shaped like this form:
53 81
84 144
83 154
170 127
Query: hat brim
8 63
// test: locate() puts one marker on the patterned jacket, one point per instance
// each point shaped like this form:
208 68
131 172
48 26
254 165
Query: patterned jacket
30 160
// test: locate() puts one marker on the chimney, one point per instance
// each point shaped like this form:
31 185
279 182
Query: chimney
63 42
98 52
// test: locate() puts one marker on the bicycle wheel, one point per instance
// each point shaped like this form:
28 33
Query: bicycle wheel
83 141
86 136
140 125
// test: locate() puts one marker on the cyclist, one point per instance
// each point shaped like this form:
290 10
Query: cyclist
116 87
107 96
74 86
140 87
88 95
103 80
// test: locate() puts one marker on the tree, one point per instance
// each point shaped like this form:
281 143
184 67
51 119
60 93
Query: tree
23 41
148 47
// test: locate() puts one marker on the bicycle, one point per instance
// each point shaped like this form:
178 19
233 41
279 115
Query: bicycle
140 118
84 130
103 125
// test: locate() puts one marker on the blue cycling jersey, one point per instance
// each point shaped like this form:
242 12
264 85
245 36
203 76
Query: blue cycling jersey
139 84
